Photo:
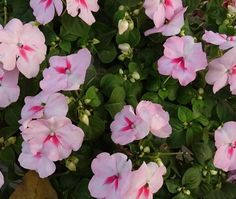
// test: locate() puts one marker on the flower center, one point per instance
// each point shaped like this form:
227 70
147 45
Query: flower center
143 191
64 69
52 137
231 149
24 50
180 62
113 179
129 125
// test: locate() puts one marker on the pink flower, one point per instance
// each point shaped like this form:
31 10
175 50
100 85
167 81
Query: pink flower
86 8
66 72
44 105
1 179
146 181
223 41
222 71
167 15
22 46
44 10
111 178
128 127
156 117
225 142
9 89
182 59
36 161
57 136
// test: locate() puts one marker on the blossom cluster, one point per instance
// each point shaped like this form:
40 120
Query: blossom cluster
128 126
114 179
50 136
44 10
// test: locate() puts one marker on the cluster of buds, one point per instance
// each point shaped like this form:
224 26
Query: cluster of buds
144 150
7 142
184 191
84 113
209 171
126 23
126 50
132 77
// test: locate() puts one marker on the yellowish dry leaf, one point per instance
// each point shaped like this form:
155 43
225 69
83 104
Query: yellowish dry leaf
33 187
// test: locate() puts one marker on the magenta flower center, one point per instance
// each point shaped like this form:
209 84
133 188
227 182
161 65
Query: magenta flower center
231 149
36 109
64 69
113 179
38 155
82 2
168 3
52 138
233 70
231 38
23 50
48 3
129 125
143 191
180 62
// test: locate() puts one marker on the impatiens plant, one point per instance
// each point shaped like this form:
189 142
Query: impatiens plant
118 99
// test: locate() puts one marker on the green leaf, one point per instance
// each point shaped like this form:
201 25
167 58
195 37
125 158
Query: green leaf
192 178
131 37
72 28
202 152
172 185
93 96
107 54
65 45
109 82
225 112
7 156
185 114
116 101
81 190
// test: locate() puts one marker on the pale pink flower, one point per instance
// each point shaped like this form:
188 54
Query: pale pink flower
36 161
222 71
182 59
9 89
66 72
84 8
156 117
1 179
146 181
44 105
167 15
225 142
111 178
57 136
128 127
44 10
22 46
222 40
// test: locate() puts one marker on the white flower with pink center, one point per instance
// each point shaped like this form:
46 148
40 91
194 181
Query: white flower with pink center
9 89
22 46
182 59
128 127
66 72
36 161
44 10
222 40
225 142
56 136
222 71
84 8
43 105
146 181
111 178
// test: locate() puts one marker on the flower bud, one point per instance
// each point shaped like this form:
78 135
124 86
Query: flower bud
136 75
87 101
125 47
121 7
213 172
123 25
146 149
121 72
136 12
87 112
85 119
1 140
132 80
11 140
70 165
187 192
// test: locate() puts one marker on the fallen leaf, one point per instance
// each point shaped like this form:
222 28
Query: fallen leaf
34 187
